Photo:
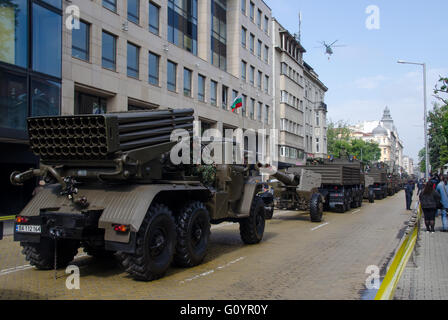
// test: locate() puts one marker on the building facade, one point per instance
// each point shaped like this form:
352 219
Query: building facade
127 55
300 111
385 134
408 165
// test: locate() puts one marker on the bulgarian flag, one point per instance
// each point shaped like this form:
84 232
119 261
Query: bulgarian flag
237 103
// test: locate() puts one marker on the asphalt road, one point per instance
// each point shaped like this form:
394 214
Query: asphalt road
296 260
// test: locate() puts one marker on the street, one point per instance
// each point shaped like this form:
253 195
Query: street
296 260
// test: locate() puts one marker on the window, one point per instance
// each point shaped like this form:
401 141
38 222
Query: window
251 11
266 115
54 3
133 60
259 18
266 84
45 97
266 24
134 11
47 45
225 97
201 88
251 43
153 17
317 119
219 34
109 50
171 79
213 92
284 69
187 82
243 70
183 24
266 54
14 32
243 109
89 104
252 109
252 75
243 37
317 145
259 111
13 100
110 4
81 41
153 68
259 45
260 79
243 6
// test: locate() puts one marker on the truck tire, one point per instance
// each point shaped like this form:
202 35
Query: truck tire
269 213
41 255
316 208
155 245
371 196
193 234
252 227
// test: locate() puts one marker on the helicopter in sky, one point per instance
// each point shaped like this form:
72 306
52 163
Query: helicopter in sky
329 47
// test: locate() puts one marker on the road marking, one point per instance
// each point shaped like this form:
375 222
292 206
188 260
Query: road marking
322 225
4 272
356 211
209 272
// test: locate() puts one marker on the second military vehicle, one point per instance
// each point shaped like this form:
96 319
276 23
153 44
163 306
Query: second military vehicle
111 187
298 189
341 187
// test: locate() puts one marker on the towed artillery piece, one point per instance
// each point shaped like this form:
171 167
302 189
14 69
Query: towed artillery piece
298 189
341 183
112 188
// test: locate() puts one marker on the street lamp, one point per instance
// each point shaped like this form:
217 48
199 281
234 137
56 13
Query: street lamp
426 115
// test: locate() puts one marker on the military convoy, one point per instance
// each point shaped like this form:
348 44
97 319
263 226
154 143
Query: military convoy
112 188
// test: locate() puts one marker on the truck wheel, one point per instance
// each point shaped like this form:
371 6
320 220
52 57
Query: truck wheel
252 227
269 213
41 255
316 208
193 233
155 245
371 196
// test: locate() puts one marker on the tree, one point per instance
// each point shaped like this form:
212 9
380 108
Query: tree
422 160
441 89
340 143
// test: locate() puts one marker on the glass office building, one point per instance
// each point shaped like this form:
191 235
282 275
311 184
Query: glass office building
30 84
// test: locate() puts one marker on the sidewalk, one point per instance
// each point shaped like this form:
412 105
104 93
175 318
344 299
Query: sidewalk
426 274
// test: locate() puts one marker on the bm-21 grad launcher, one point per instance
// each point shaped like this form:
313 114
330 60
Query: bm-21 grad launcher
111 188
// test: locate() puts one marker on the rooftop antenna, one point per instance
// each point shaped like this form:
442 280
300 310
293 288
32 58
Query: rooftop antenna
300 26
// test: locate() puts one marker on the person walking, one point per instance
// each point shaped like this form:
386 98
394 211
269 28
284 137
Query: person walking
429 200
420 186
409 191
442 188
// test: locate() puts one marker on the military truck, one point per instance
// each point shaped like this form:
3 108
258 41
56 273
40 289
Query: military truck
369 183
378 172
112 188
341 187
297 189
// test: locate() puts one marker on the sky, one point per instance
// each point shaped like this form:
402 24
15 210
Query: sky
364 77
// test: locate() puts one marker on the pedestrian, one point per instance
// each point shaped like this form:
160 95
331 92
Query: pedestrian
420 186
409 191
429 200
442 188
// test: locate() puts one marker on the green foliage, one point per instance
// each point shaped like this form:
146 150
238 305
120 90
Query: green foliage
341 144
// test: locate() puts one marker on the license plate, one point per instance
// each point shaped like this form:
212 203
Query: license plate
28 228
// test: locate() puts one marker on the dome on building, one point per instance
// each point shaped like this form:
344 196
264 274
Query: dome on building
379 131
